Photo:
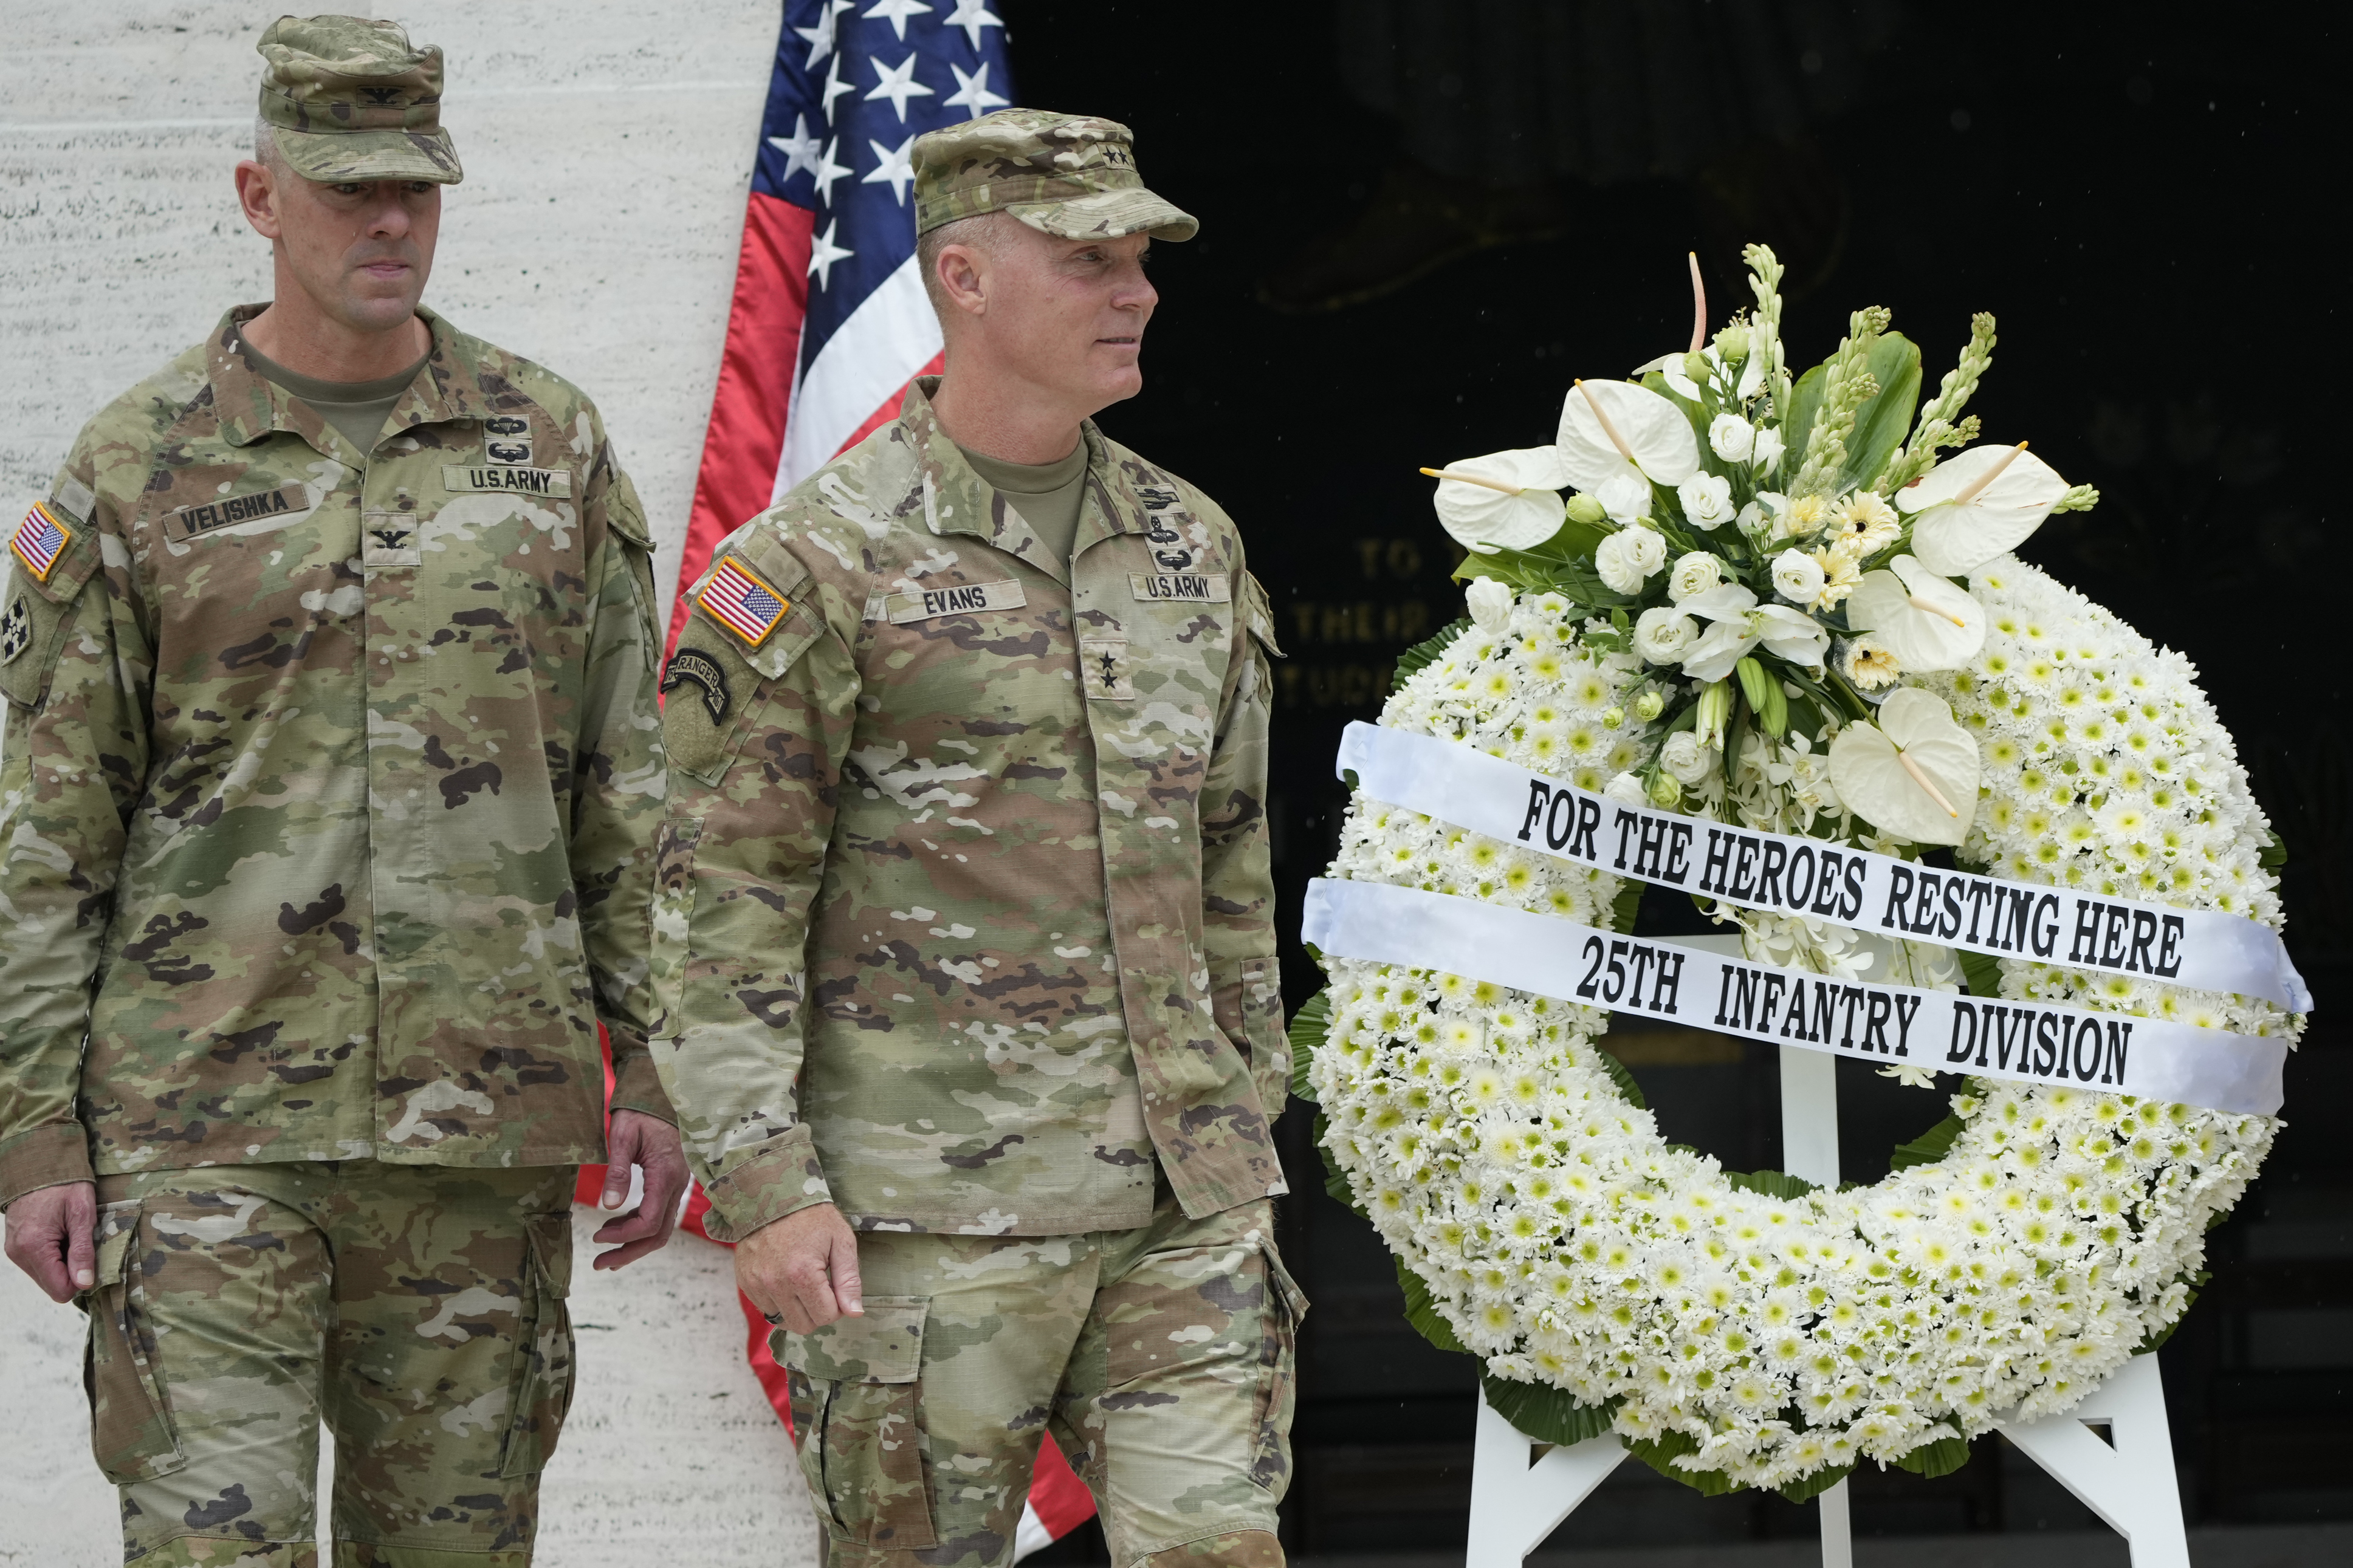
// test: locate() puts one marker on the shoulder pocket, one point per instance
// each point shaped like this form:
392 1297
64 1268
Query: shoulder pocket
748 621
1258 613
32 634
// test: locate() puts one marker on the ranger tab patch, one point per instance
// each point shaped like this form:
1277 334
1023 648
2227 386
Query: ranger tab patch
1183 588
962 599
39 539
691 666
739 601
556 484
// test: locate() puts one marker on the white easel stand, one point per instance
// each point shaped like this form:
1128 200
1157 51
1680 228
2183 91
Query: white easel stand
2128 1481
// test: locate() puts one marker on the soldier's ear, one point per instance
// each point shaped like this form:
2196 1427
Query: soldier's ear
963 271
257 198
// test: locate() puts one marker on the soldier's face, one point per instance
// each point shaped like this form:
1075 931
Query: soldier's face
359 252
1068 315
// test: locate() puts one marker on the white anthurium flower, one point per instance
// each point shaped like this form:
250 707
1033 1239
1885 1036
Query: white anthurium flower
1490 604
1978 504
1518 508
1911 769
1926 621
1740 623
1671 369
1610 428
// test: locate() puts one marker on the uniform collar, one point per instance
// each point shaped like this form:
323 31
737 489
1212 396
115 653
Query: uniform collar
958 501
250 405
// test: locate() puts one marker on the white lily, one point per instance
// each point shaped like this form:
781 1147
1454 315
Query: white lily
1510 502
1910 769
1926 621
1740 623
1976 505
1613 428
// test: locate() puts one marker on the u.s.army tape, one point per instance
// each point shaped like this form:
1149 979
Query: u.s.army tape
2025 1042
1788 875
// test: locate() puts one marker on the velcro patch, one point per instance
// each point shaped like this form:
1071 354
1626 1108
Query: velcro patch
738 600
691 666
190 522
39 539
553 483
1182 587
963 599
16 629
390 538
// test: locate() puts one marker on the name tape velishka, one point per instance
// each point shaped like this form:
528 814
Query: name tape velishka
1941 1031
1788 875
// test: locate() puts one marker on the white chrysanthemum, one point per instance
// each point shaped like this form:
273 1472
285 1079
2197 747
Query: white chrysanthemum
1565 1240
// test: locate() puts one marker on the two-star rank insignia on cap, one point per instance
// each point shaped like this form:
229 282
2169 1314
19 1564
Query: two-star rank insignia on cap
742 603
39 539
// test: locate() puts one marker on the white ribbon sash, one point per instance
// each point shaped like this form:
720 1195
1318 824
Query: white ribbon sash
2023 1042
1787 875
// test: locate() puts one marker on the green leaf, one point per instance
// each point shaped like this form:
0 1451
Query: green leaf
1805 1489
1548 1415
1885 416
2273 856
1929 1147
1421 1311
1660 1454
1771 1184
1336 1180
1628 1090
1626 905
1805 407
1562 565
1941 1457
1983 972
1309 1027
1425 653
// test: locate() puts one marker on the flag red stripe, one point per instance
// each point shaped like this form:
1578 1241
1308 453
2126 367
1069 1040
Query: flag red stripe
755 382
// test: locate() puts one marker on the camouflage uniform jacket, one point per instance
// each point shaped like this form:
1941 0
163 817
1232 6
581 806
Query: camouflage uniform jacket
965 911
331 780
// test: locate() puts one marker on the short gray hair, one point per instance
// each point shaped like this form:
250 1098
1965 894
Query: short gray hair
266 151
980 232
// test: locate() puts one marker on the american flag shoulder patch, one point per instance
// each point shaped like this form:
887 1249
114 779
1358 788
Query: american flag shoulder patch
737 599
39 539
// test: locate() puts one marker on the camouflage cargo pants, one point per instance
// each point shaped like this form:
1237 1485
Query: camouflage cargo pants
1160 1358
417 1310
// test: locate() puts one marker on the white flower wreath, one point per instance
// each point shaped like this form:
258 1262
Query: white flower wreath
1743 1330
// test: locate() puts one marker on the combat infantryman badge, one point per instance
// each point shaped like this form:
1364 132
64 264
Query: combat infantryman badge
742 603
39 539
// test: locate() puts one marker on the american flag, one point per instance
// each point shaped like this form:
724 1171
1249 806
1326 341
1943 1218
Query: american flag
39 540
742 603
830 321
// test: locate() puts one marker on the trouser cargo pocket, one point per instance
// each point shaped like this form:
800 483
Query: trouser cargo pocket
857 1409
1278 1379
130 1428
543 1349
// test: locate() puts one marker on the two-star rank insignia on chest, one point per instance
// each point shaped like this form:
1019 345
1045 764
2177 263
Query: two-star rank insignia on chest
742 603
39 539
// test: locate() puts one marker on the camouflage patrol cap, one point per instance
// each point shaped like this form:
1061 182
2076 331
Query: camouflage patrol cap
1072 176
351 101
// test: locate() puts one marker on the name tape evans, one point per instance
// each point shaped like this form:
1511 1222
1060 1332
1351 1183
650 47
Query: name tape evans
1787 875
2022 1042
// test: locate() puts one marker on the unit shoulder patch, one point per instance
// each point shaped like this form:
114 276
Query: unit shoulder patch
1182 587
556 484
958 599
16 629
739 600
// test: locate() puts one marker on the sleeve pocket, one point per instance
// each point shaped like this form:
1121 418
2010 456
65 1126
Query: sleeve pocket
857 1409
132 1433
33 629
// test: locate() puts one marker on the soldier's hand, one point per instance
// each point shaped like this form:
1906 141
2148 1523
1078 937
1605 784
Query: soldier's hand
52 1235
801 1270
650 1143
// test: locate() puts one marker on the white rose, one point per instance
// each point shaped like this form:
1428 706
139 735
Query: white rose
1625 789
1625 498
1796 577
1694 575
1731 438
1628 557
1684 757
1490 602
1707 499
1662 636
1767 451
